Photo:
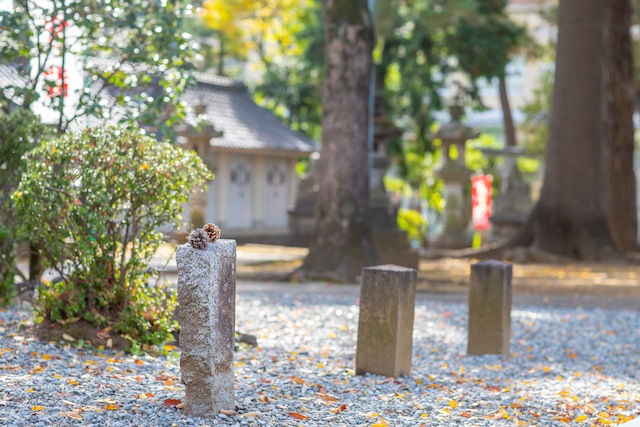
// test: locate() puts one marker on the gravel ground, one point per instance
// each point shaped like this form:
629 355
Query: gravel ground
568 367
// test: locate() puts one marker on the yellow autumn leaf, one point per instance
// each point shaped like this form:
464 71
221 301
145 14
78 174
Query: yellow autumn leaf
170 347
453 404
37 408
580 418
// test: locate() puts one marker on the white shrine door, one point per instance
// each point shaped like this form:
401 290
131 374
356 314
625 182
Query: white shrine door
275 213
239 207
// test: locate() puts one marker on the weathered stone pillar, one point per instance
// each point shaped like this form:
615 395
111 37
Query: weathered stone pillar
385 328
489 308
206 295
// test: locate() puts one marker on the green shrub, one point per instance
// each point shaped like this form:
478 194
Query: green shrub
94 201
412 222
19 132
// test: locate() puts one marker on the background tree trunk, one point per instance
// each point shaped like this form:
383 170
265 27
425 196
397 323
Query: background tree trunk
509 127
343 242
570 217
618 131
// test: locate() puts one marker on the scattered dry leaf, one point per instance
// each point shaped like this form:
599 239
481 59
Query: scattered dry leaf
171 402
297 416
228 412
73 415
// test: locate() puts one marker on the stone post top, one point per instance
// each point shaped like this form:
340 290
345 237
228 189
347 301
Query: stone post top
221 244
389 267
492 263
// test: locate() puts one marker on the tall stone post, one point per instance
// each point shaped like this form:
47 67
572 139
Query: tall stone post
489 308
207 299
385 328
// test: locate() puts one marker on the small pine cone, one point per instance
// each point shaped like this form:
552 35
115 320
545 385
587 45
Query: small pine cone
213 231
198 239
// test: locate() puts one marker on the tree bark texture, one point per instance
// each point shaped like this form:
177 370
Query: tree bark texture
570 217
509 127
343 243
617 129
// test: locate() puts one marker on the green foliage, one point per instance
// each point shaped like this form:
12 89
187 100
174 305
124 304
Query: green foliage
94 201
475 159
484 43
19 132
416 176
412 222
110 36
537 111
291 86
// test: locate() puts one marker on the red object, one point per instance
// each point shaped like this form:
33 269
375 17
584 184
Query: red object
57 75
481 187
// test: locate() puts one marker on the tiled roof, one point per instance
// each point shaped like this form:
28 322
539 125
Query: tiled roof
230 109
243 123
9 77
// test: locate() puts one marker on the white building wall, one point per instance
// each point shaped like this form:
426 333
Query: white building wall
239 192
275 196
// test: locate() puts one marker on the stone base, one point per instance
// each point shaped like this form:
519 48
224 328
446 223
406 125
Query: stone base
445 241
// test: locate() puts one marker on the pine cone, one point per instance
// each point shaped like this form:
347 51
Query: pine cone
213 231
198 239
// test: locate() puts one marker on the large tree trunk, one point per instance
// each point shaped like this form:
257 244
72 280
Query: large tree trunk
618 138
343 244
509 127
570 217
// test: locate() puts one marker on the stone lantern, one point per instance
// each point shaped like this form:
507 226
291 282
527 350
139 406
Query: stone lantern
455 175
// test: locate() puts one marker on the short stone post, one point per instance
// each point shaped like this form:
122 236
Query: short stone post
207 299
489 308
385 327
